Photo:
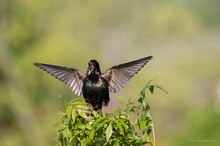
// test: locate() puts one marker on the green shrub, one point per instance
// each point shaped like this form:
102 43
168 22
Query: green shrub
80 125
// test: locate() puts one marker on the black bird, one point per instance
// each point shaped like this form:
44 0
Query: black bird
95 86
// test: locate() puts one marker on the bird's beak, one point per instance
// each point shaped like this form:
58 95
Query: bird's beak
91 69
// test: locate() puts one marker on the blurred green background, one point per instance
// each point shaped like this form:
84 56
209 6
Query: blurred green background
183 37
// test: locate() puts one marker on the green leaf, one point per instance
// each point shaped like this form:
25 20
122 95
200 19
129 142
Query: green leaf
61 126
119 126
61 115
160 87
82 113
78 101
151 88
145 87
142 122
140 99
116 143
149 130
82 107
91 136
99 121
100 125
123 123
74 115
97 125
69 111
108 132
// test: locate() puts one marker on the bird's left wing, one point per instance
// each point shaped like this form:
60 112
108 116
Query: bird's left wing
71 77
118 76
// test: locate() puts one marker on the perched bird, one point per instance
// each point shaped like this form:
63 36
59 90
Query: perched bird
95 86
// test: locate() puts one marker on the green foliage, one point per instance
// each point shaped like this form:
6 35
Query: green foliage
82 126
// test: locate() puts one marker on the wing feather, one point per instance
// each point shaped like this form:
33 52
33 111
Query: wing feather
118 76
71 77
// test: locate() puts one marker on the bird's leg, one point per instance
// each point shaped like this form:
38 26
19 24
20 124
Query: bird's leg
90 112
105 110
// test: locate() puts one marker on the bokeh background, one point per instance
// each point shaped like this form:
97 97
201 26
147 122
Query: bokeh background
183 37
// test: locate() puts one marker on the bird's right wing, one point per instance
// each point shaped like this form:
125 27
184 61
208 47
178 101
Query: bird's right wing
71 77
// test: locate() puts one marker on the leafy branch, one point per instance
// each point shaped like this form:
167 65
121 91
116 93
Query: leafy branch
80 125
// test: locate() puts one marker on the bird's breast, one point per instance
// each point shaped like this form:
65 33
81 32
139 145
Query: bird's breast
95 87
100 83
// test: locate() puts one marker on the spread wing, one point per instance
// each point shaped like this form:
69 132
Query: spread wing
71 77
118 76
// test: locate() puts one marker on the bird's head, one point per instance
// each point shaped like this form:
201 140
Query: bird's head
93 67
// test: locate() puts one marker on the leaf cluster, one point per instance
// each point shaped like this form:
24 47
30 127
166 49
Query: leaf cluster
83 126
